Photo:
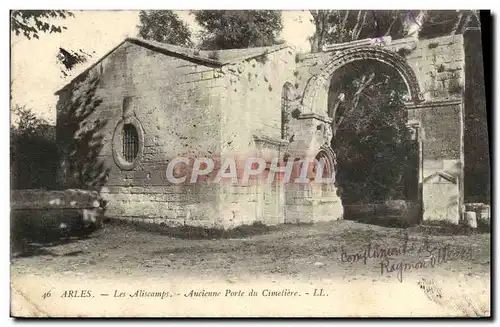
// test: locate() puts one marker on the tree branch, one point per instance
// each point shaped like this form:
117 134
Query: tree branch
353 32
392 24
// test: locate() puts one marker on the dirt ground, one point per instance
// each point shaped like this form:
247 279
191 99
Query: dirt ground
304 251
347 252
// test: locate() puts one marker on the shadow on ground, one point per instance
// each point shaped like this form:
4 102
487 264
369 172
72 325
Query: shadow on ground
29 242
197 233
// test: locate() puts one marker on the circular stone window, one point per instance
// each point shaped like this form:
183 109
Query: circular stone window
128 143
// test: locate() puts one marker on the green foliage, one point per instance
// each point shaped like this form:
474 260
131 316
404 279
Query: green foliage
33 151
68 59
445 22
80 137
236 29
164 26
372 141
31 23
338 26
27 122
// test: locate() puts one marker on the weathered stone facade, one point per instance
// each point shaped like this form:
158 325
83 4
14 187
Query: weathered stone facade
185 102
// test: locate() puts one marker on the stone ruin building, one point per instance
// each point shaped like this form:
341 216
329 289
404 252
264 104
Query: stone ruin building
165 101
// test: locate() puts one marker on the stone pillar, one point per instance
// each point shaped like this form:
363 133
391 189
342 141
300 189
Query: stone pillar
308 201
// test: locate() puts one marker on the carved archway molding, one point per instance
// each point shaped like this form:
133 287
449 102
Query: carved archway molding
326 151
316 91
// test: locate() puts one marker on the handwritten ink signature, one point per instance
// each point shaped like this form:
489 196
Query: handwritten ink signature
394 259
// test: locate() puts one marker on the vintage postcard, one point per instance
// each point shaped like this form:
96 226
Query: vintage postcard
249 163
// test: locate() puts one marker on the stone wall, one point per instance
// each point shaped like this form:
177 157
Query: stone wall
251 127
189 108
440 132
37 210
439 64
177 105
251 100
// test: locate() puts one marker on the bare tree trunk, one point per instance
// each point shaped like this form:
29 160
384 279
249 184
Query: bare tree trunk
353 32
364 83
396 17
344 22
316 38
320 19
358 32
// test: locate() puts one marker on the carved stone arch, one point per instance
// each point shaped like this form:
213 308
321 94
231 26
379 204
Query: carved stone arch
326 152
316 91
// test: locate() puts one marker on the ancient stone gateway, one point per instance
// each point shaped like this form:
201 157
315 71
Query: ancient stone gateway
270 103
314 110
423 108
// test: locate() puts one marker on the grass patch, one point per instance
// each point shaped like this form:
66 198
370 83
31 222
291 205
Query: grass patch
196 233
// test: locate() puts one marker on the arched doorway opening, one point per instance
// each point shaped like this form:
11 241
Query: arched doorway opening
376 156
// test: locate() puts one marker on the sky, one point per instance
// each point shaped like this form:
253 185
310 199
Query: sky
36 75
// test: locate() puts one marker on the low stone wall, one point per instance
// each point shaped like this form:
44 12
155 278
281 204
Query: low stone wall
42 209
393 211
60 199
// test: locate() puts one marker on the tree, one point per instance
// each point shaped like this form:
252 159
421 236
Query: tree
372 140
236 29
164 26
27 122
30 23
68 59
80 136
337 26
33 151
33 22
